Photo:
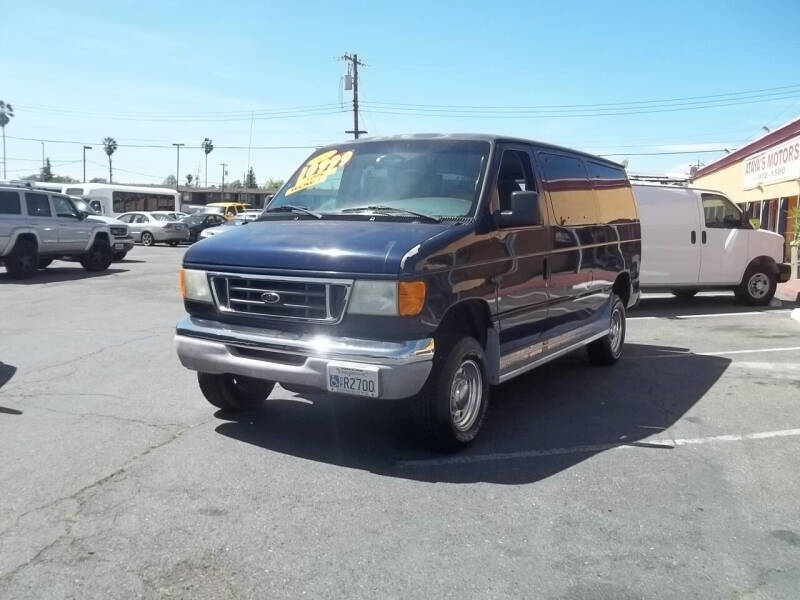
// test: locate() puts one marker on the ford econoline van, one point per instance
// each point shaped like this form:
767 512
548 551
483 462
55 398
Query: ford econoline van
425 268
695 239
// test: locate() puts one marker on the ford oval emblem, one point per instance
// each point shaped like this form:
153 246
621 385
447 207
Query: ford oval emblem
270 297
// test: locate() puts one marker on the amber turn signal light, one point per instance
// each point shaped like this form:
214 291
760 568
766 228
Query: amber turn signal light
183 283
410 298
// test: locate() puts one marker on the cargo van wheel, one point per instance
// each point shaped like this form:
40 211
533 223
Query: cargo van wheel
684 293
233 392
608 349
757 287
451 407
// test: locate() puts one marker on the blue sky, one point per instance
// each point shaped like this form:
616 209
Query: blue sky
71 67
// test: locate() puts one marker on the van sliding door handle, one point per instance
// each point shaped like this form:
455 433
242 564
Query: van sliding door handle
703 237
694 237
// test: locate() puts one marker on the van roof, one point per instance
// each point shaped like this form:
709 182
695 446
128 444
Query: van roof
478 137
684 188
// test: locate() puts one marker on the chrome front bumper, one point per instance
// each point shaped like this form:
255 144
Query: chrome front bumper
213 347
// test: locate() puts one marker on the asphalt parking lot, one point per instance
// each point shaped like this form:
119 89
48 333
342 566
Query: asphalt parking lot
673 474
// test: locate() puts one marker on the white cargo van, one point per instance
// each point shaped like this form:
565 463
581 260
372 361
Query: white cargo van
694 239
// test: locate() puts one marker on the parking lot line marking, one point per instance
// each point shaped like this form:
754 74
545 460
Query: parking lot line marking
713 315
753 351
666 444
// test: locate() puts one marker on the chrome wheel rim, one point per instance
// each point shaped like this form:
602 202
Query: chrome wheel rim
758 285
466 395
615 333
147 239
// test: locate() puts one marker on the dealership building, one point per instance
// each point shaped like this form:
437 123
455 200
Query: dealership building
763 177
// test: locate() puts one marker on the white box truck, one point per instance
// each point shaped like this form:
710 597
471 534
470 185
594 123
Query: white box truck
696 239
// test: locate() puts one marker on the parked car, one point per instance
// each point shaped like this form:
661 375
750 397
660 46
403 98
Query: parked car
149 228
38 227
121 242
226 209
422 267
696 239
242 219
198 222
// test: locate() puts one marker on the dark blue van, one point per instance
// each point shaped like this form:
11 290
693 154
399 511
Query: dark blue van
422 267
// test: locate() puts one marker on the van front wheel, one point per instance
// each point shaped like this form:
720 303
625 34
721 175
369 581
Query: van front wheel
608 349
233 392
757 287
451 407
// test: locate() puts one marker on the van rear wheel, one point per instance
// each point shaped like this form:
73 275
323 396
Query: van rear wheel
233 392
757 287
608 349
451 407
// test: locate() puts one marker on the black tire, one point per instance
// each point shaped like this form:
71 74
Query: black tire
23 260
44 263
685 294
458 362
173 243
148 239
98 258
757 287
608 349
232 392
120 255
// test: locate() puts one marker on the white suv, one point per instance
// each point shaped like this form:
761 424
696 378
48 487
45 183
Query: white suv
37 227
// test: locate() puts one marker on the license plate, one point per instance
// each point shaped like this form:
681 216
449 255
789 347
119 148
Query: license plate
353 381
119 246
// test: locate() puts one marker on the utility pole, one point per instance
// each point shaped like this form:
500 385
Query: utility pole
43 156
178 168
354 63
222 194
85 148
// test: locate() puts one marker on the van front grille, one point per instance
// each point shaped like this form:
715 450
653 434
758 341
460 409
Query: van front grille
294 298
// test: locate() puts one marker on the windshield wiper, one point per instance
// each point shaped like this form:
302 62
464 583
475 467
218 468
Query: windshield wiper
293 208
392 210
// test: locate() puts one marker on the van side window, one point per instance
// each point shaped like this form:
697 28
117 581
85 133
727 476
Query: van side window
613 193
721 213
9 203
38 205
515 175
571 193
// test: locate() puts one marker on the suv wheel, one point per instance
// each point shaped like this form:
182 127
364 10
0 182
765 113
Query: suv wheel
23 260
44 263
98 258
452 406
148 239
120 255
757 287
233 392
608 349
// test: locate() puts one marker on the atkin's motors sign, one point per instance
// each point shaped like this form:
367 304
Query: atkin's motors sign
779 163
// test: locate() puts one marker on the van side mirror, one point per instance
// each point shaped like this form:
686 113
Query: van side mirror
524 211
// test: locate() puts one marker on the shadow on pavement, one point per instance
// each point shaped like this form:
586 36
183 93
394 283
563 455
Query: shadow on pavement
6 373
566 404
58 274
671 307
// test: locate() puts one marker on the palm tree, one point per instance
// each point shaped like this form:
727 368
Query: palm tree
110 146
208 146
6 112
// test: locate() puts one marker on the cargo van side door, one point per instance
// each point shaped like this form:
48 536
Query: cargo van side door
723 241
671 236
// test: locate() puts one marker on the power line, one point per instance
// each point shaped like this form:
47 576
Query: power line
27 139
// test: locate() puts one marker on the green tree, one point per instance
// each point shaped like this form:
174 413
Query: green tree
98 180
208 146
6 112
47 171
251 179
169 180
110 146
236 183
273 184
189 179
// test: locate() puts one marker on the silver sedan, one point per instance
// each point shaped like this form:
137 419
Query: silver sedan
150 228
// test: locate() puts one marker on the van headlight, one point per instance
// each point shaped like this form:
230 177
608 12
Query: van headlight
194 285
388 298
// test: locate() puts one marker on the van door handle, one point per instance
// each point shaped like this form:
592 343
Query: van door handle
703 237
694 237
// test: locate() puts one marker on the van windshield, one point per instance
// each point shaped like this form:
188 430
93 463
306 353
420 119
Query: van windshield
434 177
